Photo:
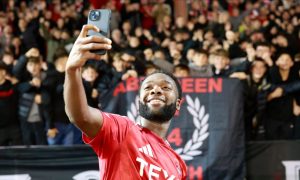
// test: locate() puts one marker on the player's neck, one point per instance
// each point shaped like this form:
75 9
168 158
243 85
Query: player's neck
159 129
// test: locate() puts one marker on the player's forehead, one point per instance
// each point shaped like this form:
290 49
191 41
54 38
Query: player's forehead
158 78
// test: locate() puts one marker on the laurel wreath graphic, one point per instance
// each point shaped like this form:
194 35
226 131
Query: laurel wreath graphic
200 120
133 113
200 134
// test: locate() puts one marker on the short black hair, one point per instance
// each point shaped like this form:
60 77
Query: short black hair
202 51
258 59
181 67
221 52
178 86
266 44
60 52
35 60
89 65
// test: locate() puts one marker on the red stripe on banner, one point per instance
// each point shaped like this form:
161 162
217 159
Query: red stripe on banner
6 93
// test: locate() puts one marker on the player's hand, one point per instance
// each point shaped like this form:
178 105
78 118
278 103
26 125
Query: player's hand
80 52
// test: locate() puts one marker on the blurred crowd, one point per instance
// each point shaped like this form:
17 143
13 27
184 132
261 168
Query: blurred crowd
256 41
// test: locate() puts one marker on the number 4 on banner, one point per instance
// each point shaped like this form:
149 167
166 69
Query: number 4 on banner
175 137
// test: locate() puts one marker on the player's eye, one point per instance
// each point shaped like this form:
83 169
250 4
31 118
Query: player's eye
166 88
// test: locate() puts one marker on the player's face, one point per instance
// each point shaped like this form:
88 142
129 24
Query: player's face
158 98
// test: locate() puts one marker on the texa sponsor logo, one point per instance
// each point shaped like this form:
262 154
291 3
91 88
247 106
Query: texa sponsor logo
153 170
87 175
292 170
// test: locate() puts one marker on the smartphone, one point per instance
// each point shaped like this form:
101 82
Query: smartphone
101 19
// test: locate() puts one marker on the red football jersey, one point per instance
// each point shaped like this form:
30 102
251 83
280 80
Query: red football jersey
128 151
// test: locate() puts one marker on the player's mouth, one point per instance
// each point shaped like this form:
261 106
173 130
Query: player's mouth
155 101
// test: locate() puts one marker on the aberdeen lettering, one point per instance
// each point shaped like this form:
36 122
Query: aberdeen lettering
201 85
189 85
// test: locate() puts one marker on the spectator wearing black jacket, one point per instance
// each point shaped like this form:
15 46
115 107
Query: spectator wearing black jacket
89 76
255 100
33 104
279 115
10 133
221 63
8 60
29 33
60 130
121 68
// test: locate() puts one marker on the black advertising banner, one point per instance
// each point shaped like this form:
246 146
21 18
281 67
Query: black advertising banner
207 132
49 163
210 124
274 160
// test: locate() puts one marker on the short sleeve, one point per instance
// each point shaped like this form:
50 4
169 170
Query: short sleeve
111 134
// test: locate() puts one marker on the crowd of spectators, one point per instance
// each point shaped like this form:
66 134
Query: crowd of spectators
256 41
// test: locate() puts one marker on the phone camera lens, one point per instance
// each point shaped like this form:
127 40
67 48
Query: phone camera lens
95 15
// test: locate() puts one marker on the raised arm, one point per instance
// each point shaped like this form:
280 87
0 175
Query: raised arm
88 119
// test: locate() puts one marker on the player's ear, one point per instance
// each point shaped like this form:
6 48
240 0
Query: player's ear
178 103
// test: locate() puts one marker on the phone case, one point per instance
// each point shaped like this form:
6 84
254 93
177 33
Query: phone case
101 19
